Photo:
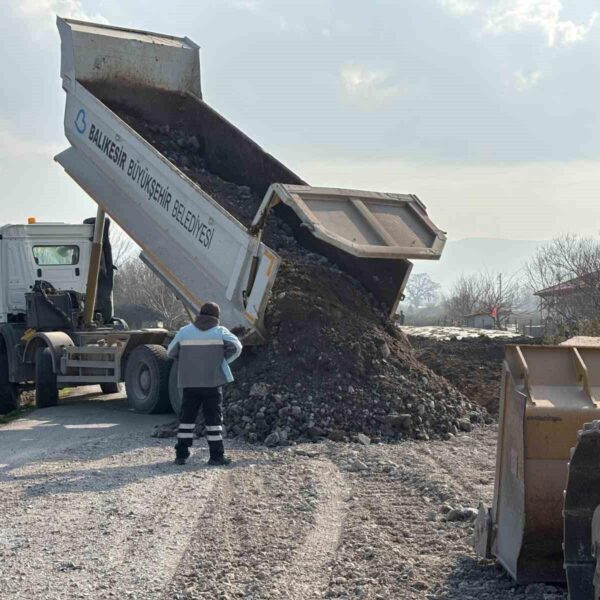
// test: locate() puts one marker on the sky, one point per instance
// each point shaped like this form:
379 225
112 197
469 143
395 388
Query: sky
485 109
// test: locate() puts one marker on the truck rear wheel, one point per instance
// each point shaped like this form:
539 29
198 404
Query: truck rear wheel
9 392
111 388
147 379
46 390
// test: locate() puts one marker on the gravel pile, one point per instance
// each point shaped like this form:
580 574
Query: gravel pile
333 366
473 364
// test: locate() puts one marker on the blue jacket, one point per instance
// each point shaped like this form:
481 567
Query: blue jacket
233 346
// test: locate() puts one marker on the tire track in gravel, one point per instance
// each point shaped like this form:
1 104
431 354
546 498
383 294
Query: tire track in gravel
308 576
269 530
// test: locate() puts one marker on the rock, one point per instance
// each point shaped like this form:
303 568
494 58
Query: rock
272 439
384 350
465 425
357 465
445 509
538 589
365 440
259 390
461 514
335 435
309 453
165 431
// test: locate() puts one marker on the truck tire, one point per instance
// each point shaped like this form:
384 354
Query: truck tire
9 392
174 391
147 379
46 390
111 388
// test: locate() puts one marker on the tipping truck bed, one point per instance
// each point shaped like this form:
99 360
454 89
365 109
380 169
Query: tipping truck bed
202 247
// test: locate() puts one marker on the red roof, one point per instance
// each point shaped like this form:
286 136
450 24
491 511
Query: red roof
567 287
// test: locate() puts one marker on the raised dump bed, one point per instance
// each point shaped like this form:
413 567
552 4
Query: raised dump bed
121 84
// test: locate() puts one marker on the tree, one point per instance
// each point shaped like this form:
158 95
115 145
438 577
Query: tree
570 265
421 291
462 298
122 246
487 293
136 284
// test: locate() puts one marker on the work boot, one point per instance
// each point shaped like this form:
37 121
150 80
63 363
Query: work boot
181 454
219 461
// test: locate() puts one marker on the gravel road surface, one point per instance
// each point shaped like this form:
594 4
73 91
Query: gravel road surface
92 507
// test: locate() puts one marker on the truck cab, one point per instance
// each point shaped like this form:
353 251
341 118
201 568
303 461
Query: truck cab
54 252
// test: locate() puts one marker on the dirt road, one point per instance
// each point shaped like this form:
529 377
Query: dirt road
92 507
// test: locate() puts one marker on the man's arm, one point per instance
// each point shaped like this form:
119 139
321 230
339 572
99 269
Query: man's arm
173 348
232 346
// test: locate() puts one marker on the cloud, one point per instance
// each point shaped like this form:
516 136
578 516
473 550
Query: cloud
525 81
251 5
46 10
18 146
369 89
459 7
544 15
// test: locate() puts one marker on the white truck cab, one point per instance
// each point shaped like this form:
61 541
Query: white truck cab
58 253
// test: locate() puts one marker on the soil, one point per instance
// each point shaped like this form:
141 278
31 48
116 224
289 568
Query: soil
333 365
474 365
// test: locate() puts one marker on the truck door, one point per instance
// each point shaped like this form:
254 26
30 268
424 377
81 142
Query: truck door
59 264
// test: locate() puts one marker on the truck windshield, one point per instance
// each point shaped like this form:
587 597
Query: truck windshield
47 256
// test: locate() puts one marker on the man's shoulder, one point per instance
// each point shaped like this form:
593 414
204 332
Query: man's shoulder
225 331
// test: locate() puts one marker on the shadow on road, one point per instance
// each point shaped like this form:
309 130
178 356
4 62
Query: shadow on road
82 427
474 579
97 433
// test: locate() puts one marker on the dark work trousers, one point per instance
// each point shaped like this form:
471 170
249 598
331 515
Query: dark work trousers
210 399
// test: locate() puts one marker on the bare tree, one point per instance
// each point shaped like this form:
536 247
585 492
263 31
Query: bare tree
488 293
123 247
462 298
565 274
136 284
421 291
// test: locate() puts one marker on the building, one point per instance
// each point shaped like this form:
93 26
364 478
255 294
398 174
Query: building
482 320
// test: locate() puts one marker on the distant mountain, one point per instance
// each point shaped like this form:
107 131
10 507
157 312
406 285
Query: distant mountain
472 255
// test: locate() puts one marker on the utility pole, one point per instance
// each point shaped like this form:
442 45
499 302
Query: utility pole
499 300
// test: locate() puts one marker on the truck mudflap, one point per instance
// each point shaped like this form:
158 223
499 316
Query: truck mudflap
191 240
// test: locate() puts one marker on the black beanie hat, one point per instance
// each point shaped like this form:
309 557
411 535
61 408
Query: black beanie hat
211 309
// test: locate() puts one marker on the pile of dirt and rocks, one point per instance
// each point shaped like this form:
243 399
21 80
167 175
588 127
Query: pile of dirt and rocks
333 366
473 364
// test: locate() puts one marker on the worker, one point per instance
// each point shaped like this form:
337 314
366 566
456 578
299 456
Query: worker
204 350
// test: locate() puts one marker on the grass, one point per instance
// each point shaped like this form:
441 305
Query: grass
15 414
28 404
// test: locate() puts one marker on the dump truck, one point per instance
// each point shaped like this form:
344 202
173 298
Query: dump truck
57 327
544 523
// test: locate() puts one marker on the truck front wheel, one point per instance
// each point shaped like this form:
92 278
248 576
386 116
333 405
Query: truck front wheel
46 390
147 379
9 392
